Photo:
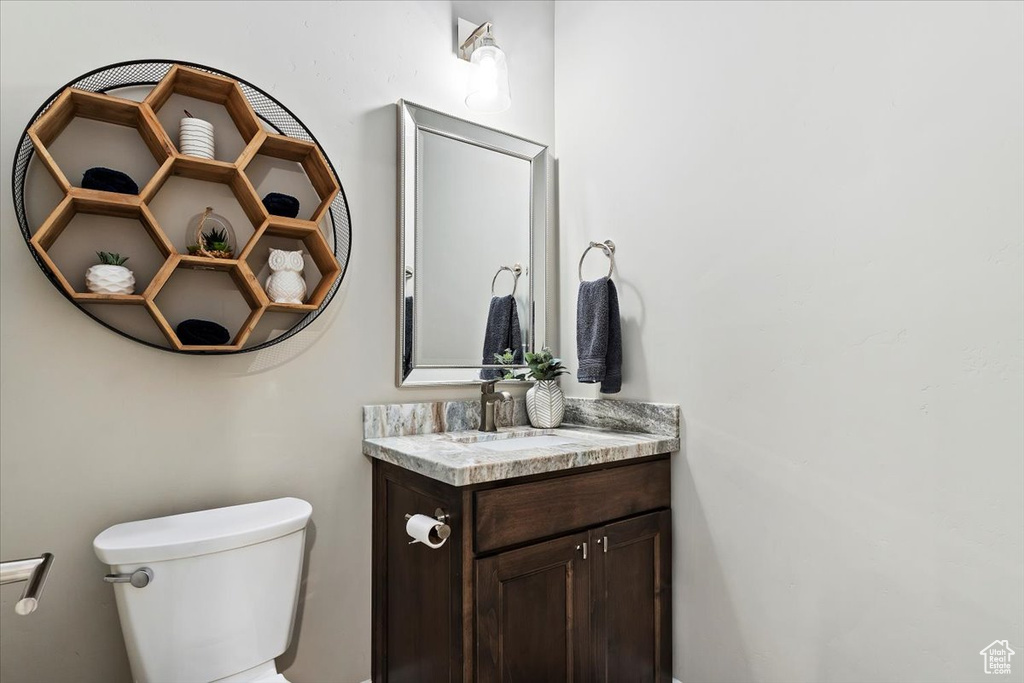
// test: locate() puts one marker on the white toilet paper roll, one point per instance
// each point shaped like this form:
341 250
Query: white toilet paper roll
424 529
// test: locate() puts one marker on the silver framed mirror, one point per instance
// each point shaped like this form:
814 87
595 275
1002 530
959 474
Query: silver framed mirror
473 267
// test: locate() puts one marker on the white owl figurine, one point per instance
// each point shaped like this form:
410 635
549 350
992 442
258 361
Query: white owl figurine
285 285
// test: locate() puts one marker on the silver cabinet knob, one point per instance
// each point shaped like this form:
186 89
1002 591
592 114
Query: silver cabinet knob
140 578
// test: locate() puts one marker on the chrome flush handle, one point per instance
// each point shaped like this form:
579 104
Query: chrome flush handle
140 578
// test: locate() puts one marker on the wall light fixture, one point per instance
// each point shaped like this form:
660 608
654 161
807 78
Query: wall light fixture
488 81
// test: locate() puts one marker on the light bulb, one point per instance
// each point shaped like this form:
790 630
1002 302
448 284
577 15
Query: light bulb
488 83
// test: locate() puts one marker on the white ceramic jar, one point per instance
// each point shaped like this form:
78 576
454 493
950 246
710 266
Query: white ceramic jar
106 279
195 138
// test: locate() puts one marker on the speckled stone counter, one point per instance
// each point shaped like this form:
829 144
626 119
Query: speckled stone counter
439 440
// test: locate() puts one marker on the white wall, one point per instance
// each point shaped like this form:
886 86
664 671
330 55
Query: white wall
818 209
99 430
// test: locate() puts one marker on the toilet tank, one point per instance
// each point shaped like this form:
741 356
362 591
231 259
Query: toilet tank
224 590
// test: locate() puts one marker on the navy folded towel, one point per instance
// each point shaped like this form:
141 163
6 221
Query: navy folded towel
278 204
202 333
109 180
503 332
599 335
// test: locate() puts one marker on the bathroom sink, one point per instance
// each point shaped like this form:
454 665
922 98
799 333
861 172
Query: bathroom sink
513 433
523 442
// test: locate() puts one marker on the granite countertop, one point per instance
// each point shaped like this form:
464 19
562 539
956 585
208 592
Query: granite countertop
436 440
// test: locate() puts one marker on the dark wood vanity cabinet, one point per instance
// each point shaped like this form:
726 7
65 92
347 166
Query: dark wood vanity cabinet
557 577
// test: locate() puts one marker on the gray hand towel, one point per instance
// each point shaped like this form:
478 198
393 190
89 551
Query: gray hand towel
599 335
503 332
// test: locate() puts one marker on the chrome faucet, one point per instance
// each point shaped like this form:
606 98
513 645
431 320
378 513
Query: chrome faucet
488 398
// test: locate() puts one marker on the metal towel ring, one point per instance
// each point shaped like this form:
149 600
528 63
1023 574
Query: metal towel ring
608 247
516 271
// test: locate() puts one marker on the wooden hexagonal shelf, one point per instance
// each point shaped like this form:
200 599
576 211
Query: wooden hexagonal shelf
210 171
308 155
89 105
244 280
142 116
90 202
316 246
212 88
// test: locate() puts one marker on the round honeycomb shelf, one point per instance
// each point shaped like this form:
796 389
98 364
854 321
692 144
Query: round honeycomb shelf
199 83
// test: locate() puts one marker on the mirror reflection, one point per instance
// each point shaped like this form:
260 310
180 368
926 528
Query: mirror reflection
473 226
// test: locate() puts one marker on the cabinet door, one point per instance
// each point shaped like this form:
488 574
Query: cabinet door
631 589
533 613
415 606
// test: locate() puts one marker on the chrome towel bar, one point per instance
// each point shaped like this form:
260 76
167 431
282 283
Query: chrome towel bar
33 572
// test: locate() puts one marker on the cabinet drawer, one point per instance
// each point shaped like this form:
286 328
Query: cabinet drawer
524 512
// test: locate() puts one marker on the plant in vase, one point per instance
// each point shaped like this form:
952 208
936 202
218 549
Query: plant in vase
110 276
214 243
545 402
211 235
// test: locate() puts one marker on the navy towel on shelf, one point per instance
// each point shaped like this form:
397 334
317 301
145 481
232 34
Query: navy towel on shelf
599 335
503 332
278 204
202 333
109 180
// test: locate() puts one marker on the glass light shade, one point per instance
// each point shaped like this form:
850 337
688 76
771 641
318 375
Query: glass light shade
488 82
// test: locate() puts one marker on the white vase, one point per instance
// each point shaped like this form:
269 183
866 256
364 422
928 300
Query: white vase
545 404
105 279
195 138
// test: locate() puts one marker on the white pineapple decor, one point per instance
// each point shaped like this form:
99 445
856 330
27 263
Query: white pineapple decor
110 276
286 285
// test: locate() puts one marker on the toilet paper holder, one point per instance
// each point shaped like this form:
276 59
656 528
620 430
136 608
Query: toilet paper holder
443 529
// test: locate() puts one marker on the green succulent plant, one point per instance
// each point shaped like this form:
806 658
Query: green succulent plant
542 365
214 240
111 259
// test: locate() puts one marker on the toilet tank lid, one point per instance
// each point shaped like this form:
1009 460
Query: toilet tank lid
201 533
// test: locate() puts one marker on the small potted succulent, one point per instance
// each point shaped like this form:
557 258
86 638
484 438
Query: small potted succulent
545 402
214 243
110 276
211 235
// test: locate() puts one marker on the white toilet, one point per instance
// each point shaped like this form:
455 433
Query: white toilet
217 599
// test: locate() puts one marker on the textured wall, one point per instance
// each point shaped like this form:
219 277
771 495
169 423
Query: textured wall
99 430
819 217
